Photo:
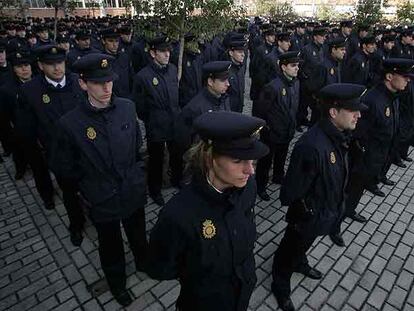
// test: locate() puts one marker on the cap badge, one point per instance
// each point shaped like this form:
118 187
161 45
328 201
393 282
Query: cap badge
155 81
332 71
256 132
283 92
18 44
332 157
46 99
91 133
387 111
53 51
18 55
209 230
363 65
104 63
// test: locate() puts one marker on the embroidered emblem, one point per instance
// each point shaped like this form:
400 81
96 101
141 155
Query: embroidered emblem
332 71
209 230
314 53
283 92
54 51
123 49
104 63
363 65
155 81
383 58
146 49
46 99
256 132
333 157
387 111
91 133
188 63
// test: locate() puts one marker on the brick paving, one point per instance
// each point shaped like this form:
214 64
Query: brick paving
41 270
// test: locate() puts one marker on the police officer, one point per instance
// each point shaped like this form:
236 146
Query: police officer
277 105
155 93
403 46
205 235
42 33
236 53
99 147
355 39
297 41
314 187
5 70
376 134
121 64
82 47
41 103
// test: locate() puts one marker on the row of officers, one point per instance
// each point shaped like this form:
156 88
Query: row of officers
75 125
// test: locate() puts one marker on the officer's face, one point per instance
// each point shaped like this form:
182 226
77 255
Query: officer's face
407 39
32 41
300 30
23 72
64 45
126 38
389 45
111 45
84 43
44 35
320 39
284 45
344 119
2 57
271 39
291 70
98 92
339 53
11 32
227 172
237 56
54 71
363 33
162 57
369 48
218 86
346 30
21 34
397 82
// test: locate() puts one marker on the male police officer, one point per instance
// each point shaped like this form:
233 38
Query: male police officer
155 93
41 103
314 187
82 47
99 147
376 133
277 105
237 52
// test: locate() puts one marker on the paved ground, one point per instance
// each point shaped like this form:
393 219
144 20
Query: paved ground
41 270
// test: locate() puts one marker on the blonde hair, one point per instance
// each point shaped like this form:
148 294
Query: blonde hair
199 158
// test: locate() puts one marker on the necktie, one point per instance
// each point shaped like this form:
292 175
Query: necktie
58 86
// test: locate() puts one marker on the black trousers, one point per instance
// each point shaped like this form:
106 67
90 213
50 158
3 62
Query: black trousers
355 189
11 144
156 163
111 247
277 154
290 255
72 203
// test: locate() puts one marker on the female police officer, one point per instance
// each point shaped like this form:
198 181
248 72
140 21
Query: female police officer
205 234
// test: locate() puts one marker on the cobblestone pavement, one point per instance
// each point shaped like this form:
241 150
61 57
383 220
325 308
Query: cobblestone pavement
41 270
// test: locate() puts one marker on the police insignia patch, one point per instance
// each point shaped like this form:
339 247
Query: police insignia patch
283 92
78 57
188 64
91 133
332 157
46 99
209 230
363 65
314 53
53 51
332 71
155 81
104 63
387 112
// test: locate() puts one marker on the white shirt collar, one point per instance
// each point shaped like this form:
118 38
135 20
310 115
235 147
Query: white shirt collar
54 83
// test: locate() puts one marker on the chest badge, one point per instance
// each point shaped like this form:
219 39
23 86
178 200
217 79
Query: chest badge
332 71
283 92
46 99
383 58
78 57
188 64
363 65
209 230
314 53
332 157
91 133
155 81
387 111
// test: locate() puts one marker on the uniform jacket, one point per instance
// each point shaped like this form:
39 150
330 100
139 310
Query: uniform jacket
76 53
257 69
314 186
406 130
359 69
297 42
215 267
191 78
236 89
155 93
122 67
99 148
402 50
377 129
278 105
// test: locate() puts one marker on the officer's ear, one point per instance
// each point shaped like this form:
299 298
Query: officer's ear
210 81
152 53
388 76
83 85
333 112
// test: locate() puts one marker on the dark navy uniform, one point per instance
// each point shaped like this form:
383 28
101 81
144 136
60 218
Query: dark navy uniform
76 53
205 238
277 105
314 190
99 148
236 79
403 50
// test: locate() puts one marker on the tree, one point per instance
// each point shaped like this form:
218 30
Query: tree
20 5
369 11
283 11
60 5
178 17
405 12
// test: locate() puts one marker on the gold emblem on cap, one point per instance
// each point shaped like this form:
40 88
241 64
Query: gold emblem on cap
18 55
332 157
283 92
155 81
332 71
104 63
209 230
53 51
256 132
387 111
91 133
46 99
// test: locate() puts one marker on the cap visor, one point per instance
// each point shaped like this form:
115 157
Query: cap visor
107 78
258 150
